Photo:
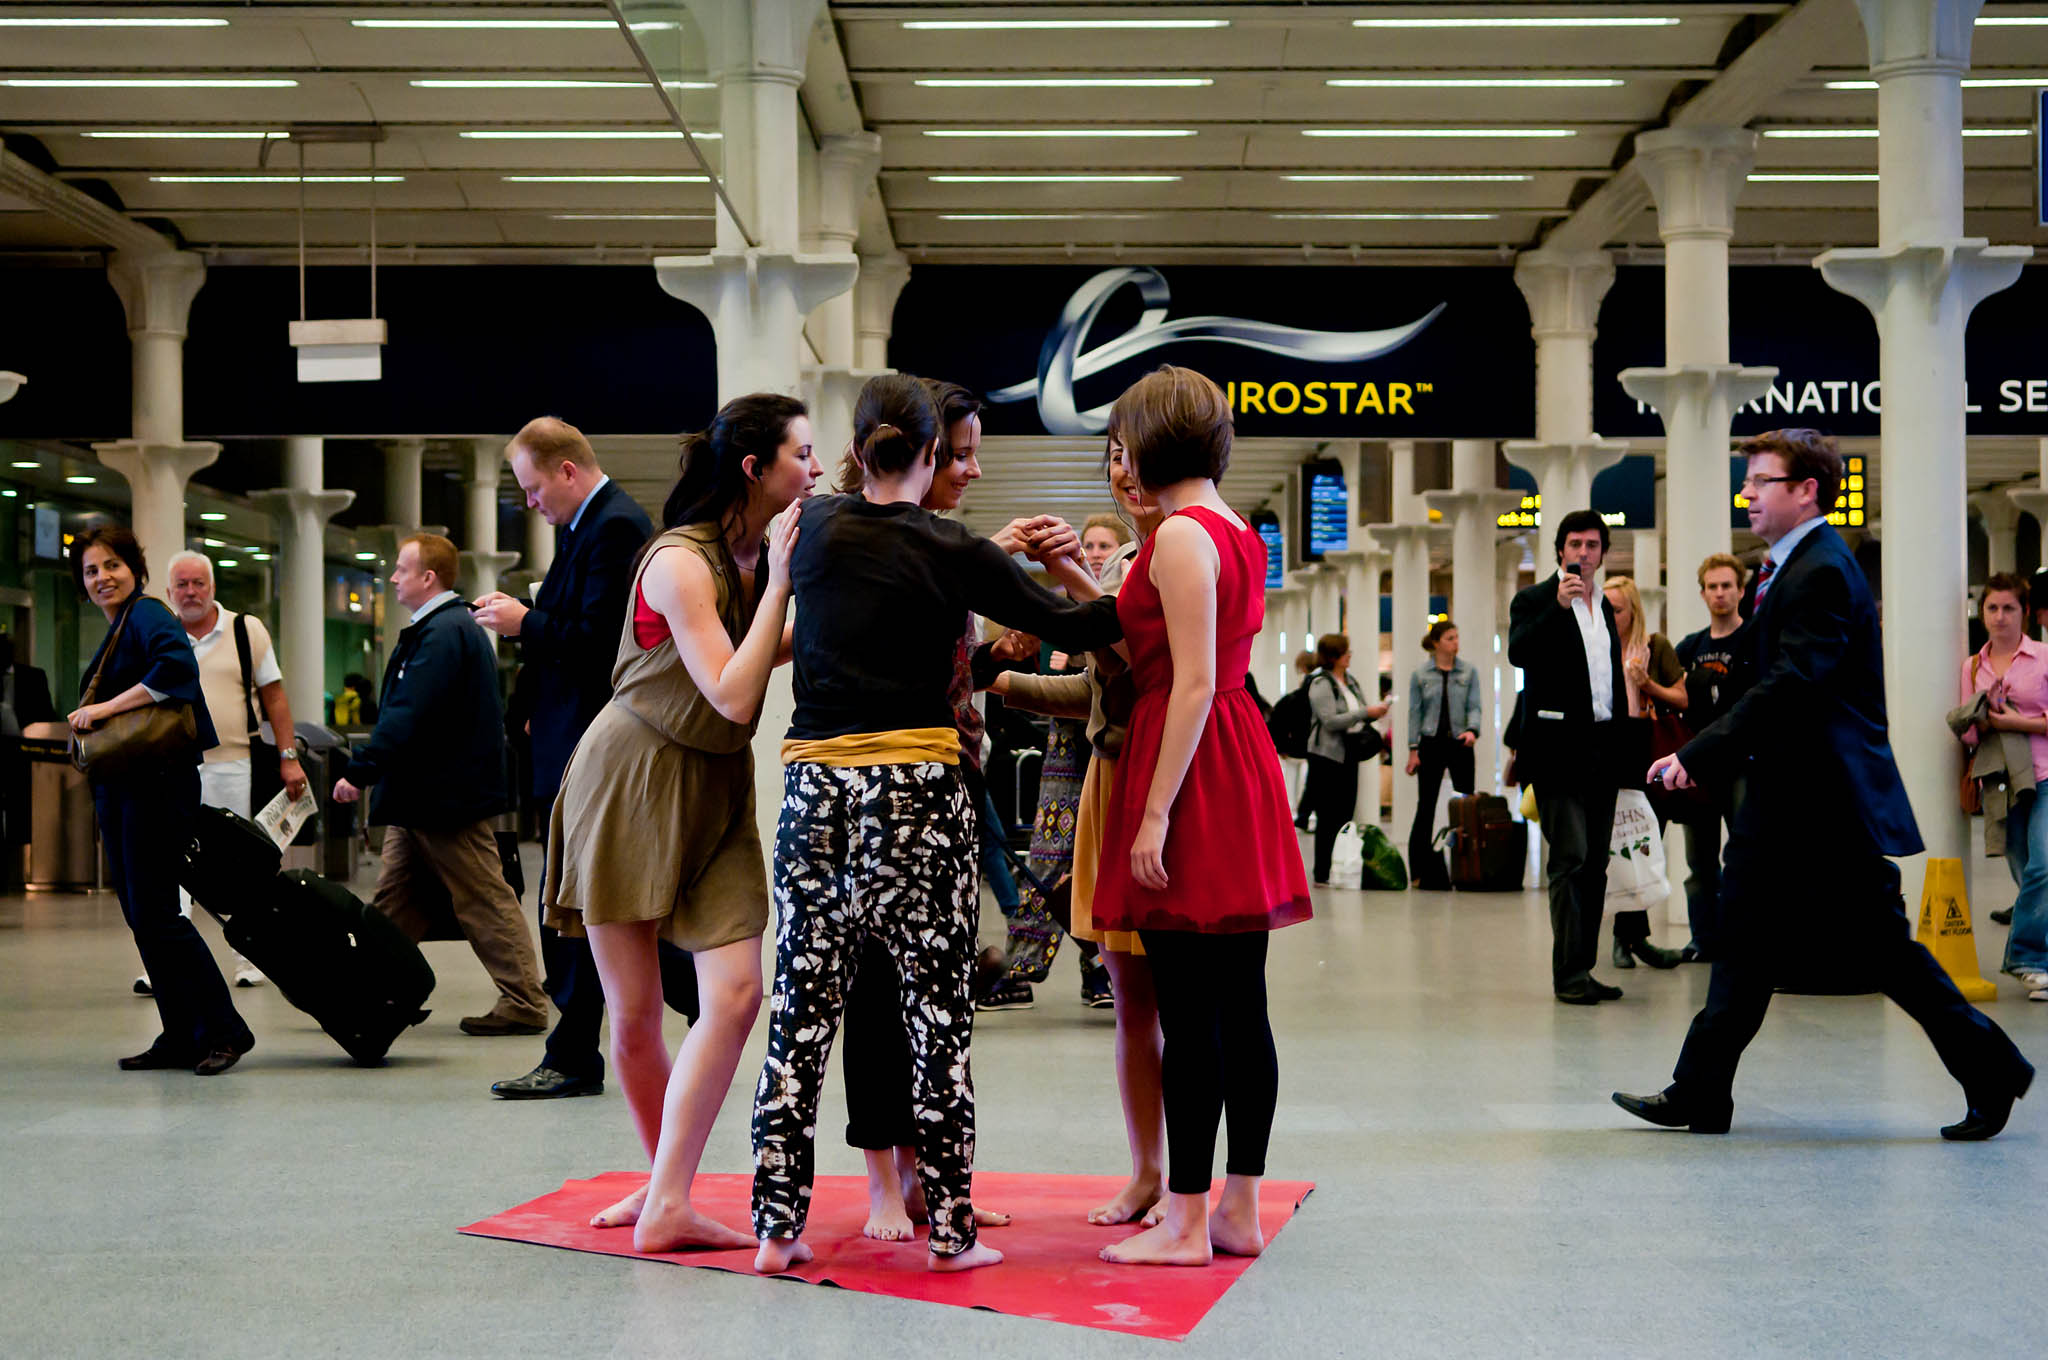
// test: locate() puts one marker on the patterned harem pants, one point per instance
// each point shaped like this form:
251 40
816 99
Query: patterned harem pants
872 851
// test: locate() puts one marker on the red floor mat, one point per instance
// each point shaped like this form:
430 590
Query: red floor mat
1050 1269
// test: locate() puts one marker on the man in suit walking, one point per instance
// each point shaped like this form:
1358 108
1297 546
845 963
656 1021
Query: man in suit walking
1806 875
1561 633
569 642
435 766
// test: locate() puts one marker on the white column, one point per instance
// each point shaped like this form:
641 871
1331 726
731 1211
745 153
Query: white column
1473 508
2034 501
1695 174
1508 554
846 175
482 563
302 508
540 546
1649 579
1564 290
2000 518
875 292
757 296
403 459
156 292
1408 539
1921 282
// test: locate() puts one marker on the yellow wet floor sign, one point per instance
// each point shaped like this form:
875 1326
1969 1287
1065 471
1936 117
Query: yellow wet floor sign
1945 929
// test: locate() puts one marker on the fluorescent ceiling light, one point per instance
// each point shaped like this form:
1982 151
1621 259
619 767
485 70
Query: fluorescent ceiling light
1409 179
261 557
2016 21
137 22
522 83
1987 83
1452 134
630 217
1582 21
1069 83
1059 132
1471 83
1385 217
148 83
1053 179
655 26
607 179
80 480
1868 134
175 135
274 179
25 463
366 557
1042 217
10 493
213 543
1812 179
229 562
622 135
987 25
212 516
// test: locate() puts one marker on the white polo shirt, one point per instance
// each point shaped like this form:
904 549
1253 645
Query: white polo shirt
220 677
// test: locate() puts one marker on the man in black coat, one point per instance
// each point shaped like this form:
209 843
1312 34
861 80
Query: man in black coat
569 642
435 768
1822 806
1570 749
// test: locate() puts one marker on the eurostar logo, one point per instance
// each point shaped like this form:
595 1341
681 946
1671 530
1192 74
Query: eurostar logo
1064 360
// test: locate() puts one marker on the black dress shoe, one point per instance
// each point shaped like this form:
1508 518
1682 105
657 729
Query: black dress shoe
2003 916
1987 1114
1579 996
1690 953
153 1060
545 1083
1602 990
1666 1113
494 1025
220 1060
1656 956
1621 956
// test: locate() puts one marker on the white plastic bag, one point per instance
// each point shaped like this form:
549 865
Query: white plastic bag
1635 856
1347 860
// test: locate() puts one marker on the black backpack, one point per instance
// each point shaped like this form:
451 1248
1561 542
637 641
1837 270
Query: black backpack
1290 721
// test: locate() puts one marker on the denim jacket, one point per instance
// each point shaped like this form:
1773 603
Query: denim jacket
1425 694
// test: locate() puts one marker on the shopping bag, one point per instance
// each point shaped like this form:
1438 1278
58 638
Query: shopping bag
1635 856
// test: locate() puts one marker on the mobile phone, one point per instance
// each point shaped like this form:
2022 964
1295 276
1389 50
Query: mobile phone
1576 568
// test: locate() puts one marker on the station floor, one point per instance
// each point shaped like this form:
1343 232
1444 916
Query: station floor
1478 1195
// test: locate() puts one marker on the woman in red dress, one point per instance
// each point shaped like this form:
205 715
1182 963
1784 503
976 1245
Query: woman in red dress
1198 852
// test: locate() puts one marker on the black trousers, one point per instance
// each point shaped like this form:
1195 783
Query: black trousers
1332 794
145 821
1703 840
569 973
1439 756
1852 909
1577 825
1218 1062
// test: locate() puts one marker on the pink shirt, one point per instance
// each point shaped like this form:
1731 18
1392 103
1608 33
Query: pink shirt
2026 691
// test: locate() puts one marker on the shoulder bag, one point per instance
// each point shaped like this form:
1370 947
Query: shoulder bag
154 734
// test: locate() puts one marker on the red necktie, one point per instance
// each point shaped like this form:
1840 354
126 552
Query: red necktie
1763 577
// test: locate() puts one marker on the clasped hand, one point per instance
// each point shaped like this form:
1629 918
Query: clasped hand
1041 538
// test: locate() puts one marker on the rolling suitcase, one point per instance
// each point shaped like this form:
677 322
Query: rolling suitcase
1488 846
228 862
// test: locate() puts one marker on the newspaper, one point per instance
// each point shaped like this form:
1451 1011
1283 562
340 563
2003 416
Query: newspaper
281 818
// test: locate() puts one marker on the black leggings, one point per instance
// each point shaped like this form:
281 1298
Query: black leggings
1438 756
1333 796
1219 1059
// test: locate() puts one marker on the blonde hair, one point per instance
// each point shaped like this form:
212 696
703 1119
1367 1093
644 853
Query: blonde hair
1111 523
1716 561
1625 587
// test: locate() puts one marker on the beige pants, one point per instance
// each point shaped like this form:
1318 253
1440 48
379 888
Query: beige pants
465 861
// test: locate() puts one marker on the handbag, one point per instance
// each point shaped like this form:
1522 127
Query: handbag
1669 733
1970 795
1635 856
151 735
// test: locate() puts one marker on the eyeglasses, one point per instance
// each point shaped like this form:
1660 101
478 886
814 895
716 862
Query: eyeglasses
1750 484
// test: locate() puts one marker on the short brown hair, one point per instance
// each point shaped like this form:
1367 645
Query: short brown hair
437 555
1111 523
117 539
549 442
1304 662
1174 424
1436 634
1716 561
1330 648
2015 586
1807 454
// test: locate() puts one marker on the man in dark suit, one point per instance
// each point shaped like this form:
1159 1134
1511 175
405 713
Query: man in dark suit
1561 633
435 766
1822 806
569 642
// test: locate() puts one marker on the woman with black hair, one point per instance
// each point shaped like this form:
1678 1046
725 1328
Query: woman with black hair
653 835
875 839
1443 729
146 810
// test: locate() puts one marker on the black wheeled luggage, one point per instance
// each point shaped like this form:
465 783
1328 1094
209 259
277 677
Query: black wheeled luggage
229 861
1489 848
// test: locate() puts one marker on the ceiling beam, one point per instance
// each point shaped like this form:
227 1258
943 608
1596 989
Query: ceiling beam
77 209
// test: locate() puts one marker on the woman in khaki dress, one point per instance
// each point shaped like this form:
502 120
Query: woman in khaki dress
653 836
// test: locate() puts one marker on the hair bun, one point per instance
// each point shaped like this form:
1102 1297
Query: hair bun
885 431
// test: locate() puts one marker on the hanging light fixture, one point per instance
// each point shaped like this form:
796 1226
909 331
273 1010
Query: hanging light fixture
338 350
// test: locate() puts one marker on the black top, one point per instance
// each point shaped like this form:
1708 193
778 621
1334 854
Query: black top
570 638
882 594
436 761
1717 671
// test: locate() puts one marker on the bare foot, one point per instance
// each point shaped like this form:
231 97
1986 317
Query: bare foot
624 1214
1131 1204
976 1255
676 1226
989 1218
888 1221
1161 1246
913 1194
778 1254
1154 1216
1233 1236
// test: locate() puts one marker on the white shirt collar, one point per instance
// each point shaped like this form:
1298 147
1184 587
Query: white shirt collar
1782 549
431 605
220 623
577 518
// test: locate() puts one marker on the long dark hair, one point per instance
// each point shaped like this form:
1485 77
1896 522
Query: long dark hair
712 481
894 422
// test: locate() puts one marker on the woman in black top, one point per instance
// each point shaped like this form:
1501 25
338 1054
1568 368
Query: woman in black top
145 812
875 835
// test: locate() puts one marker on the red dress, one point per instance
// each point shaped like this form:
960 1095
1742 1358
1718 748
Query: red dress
1232 861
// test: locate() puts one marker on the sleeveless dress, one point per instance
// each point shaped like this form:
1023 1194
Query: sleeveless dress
655 820
1231 856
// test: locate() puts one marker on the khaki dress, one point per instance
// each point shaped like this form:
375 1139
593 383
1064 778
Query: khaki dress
655 820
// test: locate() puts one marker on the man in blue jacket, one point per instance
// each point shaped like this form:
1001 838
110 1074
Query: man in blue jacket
435 766
569 642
